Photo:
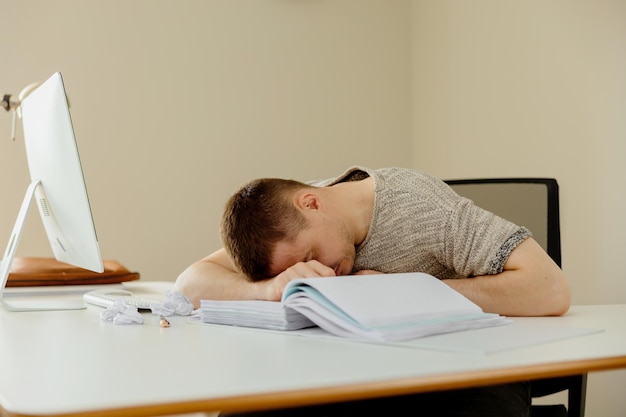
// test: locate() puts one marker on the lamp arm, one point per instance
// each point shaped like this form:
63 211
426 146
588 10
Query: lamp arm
13 105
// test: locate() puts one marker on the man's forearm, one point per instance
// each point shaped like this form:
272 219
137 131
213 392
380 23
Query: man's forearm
530 285
505 295
208 280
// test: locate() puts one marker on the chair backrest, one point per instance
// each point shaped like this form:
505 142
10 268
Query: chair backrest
529 202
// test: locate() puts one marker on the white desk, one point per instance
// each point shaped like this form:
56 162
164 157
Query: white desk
71 363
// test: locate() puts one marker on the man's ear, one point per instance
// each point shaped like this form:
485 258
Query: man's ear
308 201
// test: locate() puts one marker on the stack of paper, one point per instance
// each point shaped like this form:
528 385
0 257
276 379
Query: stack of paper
253 313
384 307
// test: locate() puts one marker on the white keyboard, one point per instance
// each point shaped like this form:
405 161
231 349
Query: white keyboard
107 297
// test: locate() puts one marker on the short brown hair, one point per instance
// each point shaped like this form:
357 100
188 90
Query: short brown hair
255 218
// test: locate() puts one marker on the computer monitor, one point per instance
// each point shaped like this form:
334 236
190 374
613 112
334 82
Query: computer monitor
58 188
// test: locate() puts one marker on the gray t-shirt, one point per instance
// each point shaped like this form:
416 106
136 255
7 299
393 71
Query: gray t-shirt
420 224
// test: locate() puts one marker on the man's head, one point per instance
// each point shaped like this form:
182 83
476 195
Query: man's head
258 216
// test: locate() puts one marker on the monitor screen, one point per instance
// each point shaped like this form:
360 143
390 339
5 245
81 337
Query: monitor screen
57 183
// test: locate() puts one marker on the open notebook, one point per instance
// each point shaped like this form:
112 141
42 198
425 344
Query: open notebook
384 307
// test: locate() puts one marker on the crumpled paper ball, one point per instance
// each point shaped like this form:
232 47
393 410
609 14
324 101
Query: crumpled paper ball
121 313
175 304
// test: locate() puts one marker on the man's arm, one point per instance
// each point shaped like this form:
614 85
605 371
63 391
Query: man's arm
531 284
216 278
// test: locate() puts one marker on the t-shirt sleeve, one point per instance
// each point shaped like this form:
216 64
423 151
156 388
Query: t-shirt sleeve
478 242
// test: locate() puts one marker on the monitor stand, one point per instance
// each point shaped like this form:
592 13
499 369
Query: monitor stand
28 301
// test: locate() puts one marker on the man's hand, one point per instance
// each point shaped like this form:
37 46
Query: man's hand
272 288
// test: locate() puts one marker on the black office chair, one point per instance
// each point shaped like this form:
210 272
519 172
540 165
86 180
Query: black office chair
534 203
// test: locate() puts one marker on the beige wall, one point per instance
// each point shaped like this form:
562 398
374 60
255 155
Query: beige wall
535 89
175 104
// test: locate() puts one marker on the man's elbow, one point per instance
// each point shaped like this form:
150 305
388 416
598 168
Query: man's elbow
559 297
186 284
